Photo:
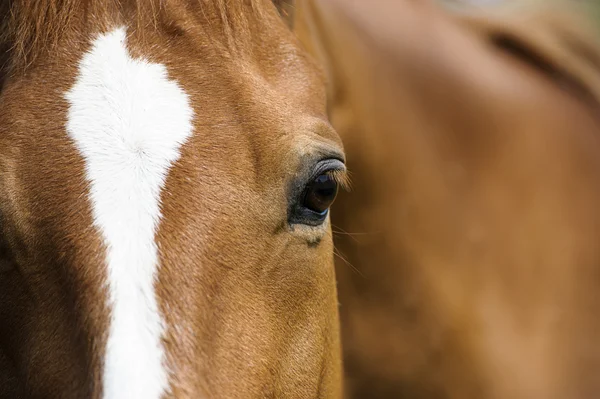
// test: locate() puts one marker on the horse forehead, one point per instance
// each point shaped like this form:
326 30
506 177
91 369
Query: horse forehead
128 121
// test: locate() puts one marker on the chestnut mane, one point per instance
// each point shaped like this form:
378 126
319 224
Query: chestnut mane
29 29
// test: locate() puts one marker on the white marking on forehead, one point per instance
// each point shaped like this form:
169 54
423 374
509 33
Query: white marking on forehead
128 120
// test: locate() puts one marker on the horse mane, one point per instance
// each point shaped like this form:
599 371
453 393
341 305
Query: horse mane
31 28
558 38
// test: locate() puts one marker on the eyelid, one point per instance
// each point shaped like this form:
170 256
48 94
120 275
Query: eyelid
330 164
336 169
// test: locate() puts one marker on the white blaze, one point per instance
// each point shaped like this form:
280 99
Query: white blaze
128 121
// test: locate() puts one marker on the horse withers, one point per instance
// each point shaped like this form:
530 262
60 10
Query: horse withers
166 171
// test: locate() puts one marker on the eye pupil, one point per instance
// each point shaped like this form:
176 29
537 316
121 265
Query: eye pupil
321 193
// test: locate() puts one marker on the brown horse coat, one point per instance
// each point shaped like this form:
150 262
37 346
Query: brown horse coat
470 239
155 239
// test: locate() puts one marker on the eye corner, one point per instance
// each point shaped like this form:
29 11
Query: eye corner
342 177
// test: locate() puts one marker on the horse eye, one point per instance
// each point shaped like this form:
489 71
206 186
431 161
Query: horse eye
311 197
320 193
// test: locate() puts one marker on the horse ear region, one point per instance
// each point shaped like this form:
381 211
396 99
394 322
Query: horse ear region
286 10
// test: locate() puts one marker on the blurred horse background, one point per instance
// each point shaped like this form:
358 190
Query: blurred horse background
468 249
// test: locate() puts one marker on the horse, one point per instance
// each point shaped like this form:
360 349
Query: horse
468 245
166 174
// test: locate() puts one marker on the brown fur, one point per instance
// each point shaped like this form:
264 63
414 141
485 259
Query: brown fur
249 301
32 29
470 240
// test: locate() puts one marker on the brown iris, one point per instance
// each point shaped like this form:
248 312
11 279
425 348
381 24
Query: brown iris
321 193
